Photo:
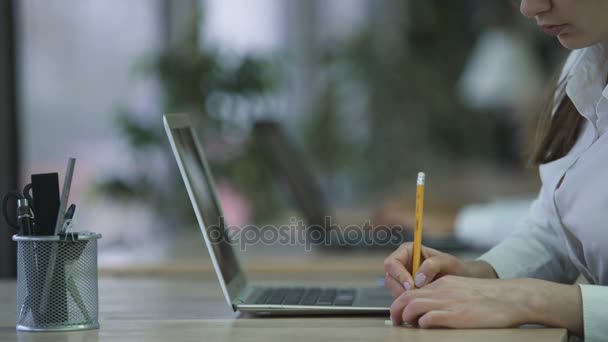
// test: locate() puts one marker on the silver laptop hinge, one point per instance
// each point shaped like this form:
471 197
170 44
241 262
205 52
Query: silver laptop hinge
243 295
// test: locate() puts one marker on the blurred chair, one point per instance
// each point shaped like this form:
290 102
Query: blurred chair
292 169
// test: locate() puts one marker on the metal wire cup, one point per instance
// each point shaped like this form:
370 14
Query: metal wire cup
57 282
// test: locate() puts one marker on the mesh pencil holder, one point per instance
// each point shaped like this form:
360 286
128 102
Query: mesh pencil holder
57 282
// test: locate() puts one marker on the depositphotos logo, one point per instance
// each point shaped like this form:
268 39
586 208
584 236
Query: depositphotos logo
299 234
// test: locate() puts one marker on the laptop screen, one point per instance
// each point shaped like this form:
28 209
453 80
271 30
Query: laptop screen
199 177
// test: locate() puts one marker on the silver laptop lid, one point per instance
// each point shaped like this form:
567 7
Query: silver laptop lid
201 190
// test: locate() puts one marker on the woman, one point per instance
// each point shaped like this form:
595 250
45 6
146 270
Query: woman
528 277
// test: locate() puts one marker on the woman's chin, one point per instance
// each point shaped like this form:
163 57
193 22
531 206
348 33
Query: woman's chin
574 42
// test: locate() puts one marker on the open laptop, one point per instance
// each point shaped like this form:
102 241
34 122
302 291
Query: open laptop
239 293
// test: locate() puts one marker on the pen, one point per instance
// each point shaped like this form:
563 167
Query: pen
418 224
67 219
51 276
24 217
65 194
69 214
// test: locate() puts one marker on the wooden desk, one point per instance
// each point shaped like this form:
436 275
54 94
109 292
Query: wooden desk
182 308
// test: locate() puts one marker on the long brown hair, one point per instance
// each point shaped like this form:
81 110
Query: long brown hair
557 133
557 129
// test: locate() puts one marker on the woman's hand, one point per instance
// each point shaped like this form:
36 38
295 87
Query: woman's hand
458 302
435 264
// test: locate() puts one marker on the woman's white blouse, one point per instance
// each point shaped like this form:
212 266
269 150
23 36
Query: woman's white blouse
566 230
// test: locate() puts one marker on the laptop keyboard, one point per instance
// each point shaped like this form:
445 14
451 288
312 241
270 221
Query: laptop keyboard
307 296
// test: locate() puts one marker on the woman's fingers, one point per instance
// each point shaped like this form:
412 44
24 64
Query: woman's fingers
403 301
394 286
432 268
417 308
395 265
427 271
396 270
436 319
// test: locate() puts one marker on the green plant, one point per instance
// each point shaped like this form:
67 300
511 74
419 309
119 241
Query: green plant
202 81
412 117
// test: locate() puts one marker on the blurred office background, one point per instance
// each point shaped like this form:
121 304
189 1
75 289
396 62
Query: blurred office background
369 92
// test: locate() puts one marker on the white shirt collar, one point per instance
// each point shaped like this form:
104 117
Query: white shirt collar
586 81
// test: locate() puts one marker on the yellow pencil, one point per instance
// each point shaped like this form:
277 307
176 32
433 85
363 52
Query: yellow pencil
418 225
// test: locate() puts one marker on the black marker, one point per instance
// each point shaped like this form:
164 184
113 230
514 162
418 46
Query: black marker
45 188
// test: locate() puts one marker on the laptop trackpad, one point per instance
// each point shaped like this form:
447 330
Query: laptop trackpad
374 297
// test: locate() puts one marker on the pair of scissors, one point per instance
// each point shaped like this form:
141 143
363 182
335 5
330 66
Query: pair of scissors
28 207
